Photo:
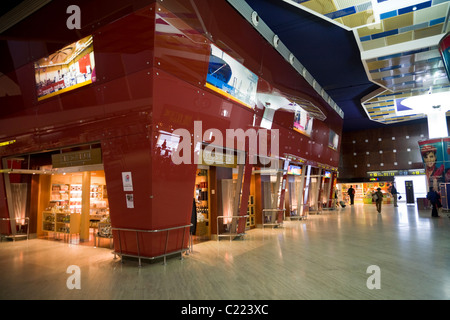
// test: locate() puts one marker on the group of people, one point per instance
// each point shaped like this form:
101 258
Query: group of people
377 196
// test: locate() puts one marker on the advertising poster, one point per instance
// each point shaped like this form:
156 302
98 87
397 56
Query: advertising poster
230 78
436 159
127 181
303 122
130 201
66 69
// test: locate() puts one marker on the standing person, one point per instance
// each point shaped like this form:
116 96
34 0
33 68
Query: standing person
379 199
351 194
394 194
433 197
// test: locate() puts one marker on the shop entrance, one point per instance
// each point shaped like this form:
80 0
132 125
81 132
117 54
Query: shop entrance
201 206
62 195
77 208
295 202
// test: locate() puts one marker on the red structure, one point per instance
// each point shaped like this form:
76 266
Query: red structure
151 65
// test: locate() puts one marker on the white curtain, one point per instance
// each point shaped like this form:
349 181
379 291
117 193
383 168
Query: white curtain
19 202
228 194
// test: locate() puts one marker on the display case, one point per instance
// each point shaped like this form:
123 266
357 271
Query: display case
59 196
104 231
75 198
61 222
99 208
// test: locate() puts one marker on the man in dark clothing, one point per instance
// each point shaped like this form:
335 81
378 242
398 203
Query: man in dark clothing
351 194
379 199
394 194
433 197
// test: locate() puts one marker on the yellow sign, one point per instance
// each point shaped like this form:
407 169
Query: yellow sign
6 143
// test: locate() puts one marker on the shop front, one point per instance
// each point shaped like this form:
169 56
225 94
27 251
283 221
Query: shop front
63 193
364 192
132 86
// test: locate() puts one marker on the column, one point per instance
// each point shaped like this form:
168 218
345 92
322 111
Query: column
85 206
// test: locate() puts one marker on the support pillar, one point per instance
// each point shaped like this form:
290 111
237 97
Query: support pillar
85 206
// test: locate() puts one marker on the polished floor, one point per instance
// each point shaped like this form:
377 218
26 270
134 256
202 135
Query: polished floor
328 256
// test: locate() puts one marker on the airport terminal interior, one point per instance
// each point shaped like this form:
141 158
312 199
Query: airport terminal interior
225 150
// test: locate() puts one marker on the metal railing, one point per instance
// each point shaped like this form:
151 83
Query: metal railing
139 256
230 234
14 233
272 223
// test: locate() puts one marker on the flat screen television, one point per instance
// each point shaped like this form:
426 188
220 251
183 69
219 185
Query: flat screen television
66 69
230 78
294 170
333 140
303 122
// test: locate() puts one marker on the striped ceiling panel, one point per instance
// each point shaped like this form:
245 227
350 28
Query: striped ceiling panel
398 41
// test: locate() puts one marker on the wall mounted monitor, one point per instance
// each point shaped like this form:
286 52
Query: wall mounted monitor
333 140
303 122
294 170
230 78
66 69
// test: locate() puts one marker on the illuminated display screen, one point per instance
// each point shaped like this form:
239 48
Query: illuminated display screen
327 174
303 122
66 69
333 140
294 170
230 78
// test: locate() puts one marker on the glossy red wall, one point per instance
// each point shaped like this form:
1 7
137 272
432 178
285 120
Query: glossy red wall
151 78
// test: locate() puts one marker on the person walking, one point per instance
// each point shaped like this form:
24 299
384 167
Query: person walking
434 198
394 194
378 199
351 194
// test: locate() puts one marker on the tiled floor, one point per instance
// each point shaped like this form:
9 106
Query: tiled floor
324 257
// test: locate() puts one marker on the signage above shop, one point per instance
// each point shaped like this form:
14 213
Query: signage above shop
393 173
77 158
293 158
218 159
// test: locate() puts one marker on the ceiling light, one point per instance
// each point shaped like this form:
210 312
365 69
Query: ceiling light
426 103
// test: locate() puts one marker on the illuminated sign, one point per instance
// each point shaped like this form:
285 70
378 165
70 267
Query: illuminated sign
66 69
392 173
6 143
382 173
